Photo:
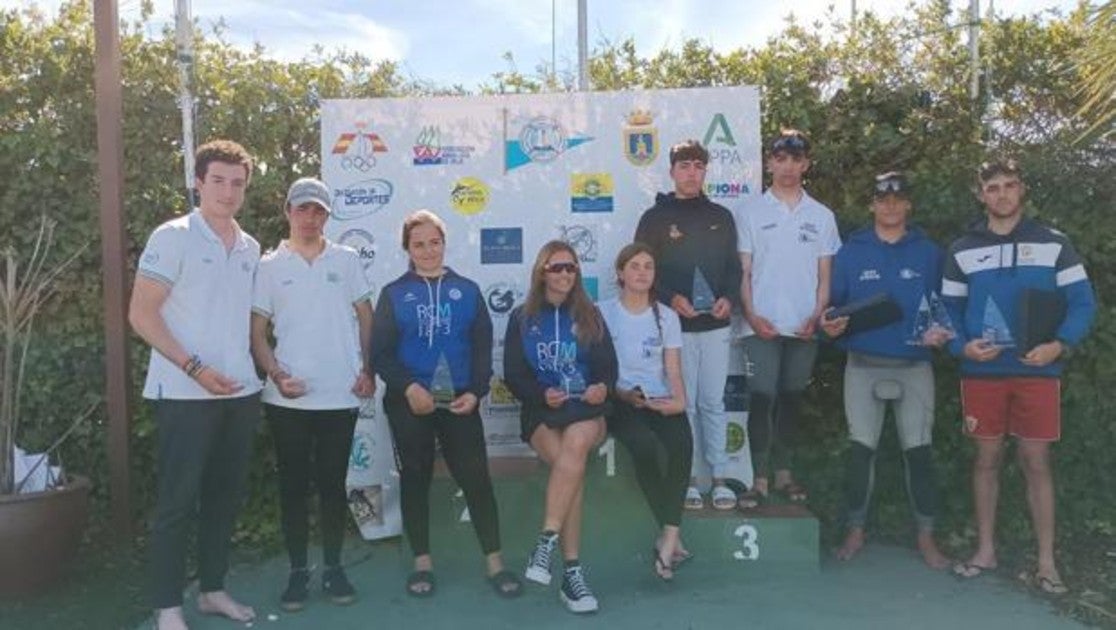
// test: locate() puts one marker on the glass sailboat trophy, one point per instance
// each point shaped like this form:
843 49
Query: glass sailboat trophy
932 318
441 385
573 383
702 298
994 328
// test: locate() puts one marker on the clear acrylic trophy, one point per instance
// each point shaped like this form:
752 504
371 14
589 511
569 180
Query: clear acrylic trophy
931 320
441 385
573 383
702 298
994 329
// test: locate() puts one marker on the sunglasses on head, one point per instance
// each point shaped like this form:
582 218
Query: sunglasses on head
560 267
793 144
890 185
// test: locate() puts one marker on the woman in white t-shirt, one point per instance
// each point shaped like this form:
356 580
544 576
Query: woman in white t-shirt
651 400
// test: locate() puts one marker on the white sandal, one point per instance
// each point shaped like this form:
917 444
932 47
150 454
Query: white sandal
723 498
694 500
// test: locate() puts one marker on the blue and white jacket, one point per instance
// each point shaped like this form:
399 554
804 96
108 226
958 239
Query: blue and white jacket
418 319
908 270
540 350
983 265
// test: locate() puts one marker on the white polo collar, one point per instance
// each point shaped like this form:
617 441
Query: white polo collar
198 222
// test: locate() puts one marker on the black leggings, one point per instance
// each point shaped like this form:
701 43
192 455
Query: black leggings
328 434
646 434
463 447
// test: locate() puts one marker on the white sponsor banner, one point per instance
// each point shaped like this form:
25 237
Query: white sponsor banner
507 174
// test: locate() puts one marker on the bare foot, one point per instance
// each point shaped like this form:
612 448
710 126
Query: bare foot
933 558
219 603
170 619
854 542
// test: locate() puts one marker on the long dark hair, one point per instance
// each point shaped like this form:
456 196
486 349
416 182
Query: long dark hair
629 252
585 315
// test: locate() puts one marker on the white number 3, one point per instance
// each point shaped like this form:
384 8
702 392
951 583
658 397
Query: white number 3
749 542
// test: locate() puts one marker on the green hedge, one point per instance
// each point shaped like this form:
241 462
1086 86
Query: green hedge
894 96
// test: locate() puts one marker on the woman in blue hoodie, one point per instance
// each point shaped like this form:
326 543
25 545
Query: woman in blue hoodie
890 363
560 363
433 349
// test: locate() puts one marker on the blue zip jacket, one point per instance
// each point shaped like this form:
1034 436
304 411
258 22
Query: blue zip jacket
418 319
539 350
983 265
908 270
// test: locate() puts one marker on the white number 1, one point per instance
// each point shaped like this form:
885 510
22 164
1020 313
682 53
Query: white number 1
608 451
749 542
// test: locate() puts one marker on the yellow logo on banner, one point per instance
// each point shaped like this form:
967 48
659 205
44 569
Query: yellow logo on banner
469 195
591 192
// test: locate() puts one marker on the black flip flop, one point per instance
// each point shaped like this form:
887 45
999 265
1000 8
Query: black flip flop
500 582
421 577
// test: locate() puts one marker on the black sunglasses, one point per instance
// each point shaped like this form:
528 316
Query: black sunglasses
891 185
560 267
793 144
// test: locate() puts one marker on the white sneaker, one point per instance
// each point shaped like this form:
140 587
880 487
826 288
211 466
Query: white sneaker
538 566
575 593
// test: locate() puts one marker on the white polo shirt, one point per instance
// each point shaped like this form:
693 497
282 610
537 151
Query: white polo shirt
208 309
311 305
639 344
785 244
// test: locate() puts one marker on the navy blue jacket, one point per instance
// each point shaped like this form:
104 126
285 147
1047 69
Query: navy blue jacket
908 270
539 350
418 319
983 265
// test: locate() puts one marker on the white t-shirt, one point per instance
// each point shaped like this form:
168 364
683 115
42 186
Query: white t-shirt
317 338
640 344
785 244
208 309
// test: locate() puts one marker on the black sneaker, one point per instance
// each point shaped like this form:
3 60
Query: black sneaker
575 593
294 598
538 566
337 586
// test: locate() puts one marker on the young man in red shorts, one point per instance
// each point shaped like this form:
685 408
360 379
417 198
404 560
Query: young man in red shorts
1001 262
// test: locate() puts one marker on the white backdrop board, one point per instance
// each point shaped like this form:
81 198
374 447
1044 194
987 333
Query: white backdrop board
507 174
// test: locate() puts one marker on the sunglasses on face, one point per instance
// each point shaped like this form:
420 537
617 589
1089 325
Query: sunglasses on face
793 144
561 267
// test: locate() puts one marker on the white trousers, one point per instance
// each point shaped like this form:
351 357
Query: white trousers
705 364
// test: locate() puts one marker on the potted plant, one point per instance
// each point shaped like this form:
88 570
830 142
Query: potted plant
39 530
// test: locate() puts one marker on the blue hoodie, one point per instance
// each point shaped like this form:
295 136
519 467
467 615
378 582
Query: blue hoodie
983 265
907 270
418 319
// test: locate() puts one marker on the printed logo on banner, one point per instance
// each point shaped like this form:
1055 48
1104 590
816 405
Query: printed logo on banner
429 151
364 244
736 393
721 143
361 199
726 190
469 195
581 239
641 139
502 297
591 192
590 283
735 437
357 149
501 246
541 139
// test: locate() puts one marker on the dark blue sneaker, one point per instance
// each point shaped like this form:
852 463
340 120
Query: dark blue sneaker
538 566
337 586
575 593
294 598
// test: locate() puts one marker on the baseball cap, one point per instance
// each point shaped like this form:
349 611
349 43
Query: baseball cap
891 183
309 190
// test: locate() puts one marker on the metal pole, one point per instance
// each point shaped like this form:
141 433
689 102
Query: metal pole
184 45
974 49
852 19
553 41
110 176
582 47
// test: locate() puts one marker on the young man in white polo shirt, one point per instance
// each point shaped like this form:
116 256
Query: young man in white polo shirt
191 303
787 241
315 295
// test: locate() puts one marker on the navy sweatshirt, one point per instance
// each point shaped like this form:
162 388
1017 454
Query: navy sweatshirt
983 265
540 350
418 319
685 234
908 270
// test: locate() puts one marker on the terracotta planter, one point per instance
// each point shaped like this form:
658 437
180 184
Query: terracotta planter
39 536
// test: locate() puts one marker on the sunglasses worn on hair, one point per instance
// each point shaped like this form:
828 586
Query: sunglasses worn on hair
794 144
891 185
567 267
988 170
